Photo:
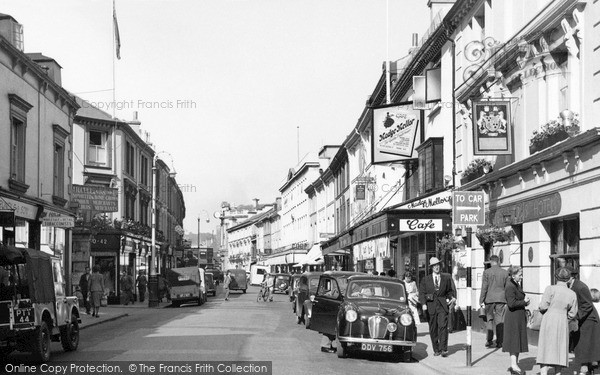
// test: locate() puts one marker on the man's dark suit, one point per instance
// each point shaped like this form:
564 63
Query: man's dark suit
587 338
85 290
437 309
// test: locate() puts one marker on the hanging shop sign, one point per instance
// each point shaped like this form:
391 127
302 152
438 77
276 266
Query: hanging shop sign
421 225
527 210
440 201
492 133
360 192
394 132
96 198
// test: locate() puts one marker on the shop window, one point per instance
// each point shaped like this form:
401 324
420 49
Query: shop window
564 243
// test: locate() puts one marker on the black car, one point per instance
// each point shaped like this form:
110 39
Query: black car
307 287
281 282
365 313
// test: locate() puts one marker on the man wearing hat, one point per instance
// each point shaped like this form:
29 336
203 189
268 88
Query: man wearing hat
436 292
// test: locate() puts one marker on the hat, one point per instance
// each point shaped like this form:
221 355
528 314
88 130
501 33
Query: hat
433 261
563 274
571 270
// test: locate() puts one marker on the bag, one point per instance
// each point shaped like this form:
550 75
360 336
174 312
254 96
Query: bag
482 314
104 301
534 320
458 320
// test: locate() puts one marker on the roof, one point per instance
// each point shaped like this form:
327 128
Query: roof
38 57
90 111
251 220
379 278
7 16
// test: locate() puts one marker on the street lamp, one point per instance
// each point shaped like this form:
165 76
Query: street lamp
207 221
153 277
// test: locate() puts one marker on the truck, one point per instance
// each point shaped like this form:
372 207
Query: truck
34 306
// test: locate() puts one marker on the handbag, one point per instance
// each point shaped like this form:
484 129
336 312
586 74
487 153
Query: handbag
534 320
482 314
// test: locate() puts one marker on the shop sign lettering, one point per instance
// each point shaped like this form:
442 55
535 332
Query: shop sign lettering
527 210
421 225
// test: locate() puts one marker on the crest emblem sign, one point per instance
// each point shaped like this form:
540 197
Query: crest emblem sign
491 129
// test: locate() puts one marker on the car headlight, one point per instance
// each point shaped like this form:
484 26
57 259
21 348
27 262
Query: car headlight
351 316
406 319
392 327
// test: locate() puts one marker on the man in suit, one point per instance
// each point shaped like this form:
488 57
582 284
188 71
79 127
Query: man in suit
84 283
493 300
436 292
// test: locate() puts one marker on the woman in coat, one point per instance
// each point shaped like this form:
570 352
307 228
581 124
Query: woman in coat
515 320
559 305
97 289
587 338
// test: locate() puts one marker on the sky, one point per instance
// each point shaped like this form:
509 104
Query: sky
225 86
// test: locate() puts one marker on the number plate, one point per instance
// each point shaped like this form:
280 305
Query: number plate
24 315
376 347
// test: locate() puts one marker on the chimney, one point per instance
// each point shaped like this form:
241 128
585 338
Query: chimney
278 204
135 123
49 65
12 31
256 203
414 44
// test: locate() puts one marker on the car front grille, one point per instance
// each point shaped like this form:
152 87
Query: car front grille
378 326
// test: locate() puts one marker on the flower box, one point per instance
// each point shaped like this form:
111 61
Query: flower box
551 133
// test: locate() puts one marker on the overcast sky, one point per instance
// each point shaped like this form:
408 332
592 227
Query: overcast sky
246 74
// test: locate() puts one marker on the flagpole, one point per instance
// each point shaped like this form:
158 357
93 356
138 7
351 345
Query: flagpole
387 56
114 104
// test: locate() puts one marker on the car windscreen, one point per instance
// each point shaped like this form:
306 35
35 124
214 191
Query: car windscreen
313 283
376 289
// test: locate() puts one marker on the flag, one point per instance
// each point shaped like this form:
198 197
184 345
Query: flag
116 29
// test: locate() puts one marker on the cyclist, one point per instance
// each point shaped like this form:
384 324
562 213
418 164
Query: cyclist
268 285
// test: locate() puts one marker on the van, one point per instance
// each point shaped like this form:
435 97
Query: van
186 285
238 279
257 274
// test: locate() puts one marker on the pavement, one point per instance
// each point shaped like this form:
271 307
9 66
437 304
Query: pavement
483 360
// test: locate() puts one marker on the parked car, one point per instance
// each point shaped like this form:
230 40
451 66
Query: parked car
371 315
282 282
210 284
294 290
307 288
34 306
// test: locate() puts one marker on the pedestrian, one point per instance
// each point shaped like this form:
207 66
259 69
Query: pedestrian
392 273
142 284
493 300
515 319
436 292
126 288
596 298
84 287
96 288
412 293
226 282
586 339
559 305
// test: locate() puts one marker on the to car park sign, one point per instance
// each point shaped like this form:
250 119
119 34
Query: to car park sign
468 208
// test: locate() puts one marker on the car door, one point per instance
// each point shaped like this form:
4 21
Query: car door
325 306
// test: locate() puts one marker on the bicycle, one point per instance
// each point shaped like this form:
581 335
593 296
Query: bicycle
263 294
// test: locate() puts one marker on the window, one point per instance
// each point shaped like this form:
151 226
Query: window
564 243
431 169
130 159
59 170
17 150
144 170
144 210
98 148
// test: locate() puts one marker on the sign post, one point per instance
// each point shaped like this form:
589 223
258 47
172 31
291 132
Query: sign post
468 208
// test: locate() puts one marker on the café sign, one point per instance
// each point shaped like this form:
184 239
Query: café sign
421 225
527 210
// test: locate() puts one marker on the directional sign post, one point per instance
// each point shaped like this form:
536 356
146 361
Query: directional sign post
468 208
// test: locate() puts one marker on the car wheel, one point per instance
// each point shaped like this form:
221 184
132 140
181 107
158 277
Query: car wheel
306 321
244 290
403 353
69 335
41 343
175 303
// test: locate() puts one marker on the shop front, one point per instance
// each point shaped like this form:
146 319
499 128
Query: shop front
117 254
